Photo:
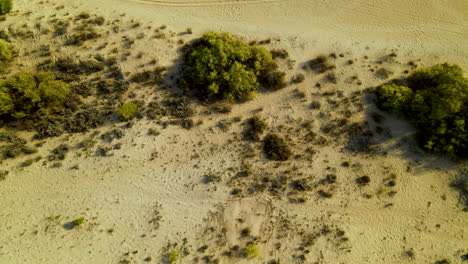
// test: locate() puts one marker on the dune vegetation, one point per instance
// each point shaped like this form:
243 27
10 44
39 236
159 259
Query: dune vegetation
435 101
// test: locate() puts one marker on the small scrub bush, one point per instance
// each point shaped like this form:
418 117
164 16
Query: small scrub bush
435 101
298 78
320 64
127 111
5 6
78 222
5 51
223 66
276 148
172 256
5 54
252 251
255 128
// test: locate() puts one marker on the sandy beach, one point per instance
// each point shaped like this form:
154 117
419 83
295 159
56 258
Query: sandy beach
188 190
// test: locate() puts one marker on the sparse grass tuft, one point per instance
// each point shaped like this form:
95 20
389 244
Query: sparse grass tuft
255 128
320 64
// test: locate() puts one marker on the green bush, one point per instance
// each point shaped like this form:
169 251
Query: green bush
436 103
78 222
5 51
5 54
127 111
172 256
251 251
5 6
394 98
276 148
223 66
255 128
25 94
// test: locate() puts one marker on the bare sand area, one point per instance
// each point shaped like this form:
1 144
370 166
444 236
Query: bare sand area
205 192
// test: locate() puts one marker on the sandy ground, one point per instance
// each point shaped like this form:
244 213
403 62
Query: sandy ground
149 197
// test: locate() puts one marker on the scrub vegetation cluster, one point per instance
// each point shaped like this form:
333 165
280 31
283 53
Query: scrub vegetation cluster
435 101
222 66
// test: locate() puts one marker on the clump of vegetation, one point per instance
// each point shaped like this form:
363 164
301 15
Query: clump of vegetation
276 148
5 6
460 183
127 111
82 35
282 54
251 251
78 222
435 101
224 66
5 55
12 146
362 181
172 256
255 128
59 153
320 64
25 94
298 78
3 174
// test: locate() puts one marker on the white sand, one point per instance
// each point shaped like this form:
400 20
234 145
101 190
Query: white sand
127 191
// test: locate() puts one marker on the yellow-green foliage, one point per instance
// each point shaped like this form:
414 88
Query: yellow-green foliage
5 51
223 66
24 94
172 256
78 222
5 6
252 251
394 98
436 103
5 55
127 111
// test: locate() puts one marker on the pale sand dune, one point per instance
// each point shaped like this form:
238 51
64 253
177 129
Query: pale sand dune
150 203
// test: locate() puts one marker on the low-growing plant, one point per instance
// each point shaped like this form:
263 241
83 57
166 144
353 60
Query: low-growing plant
78 222
5 55
436 103
320 64
255 128
276 148
224 66
127 111
251 251
172 256
5 6
5 51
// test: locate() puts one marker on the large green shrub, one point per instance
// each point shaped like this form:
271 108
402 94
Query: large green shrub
436 103
5 6
223 66
25 94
